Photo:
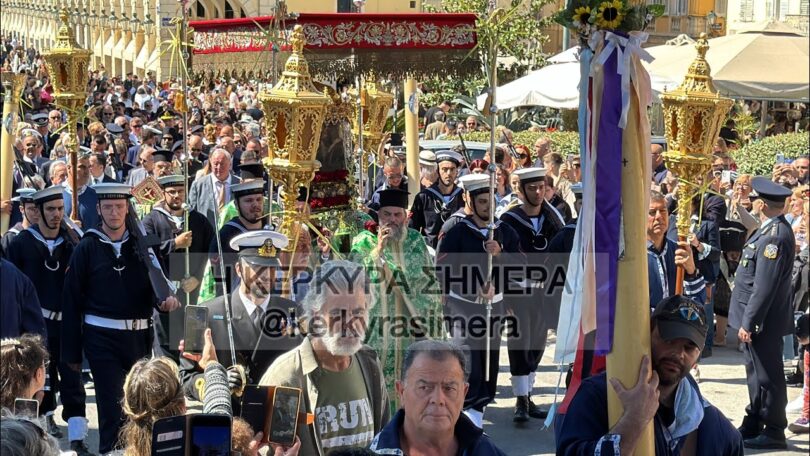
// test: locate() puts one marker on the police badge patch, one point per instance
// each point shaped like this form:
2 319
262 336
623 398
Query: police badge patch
770 251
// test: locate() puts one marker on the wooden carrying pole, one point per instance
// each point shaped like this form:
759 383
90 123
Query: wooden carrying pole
632 324
12 83
412 138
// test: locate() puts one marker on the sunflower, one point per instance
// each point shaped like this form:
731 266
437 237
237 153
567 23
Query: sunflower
582 15
610 15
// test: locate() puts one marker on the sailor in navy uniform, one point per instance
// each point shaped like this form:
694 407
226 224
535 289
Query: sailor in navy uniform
761 310
30 217
107 308
42 252
536 222
249 201
433 205
260 318
167 221
461 262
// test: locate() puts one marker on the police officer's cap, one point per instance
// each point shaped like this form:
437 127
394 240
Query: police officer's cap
114 128
254 187
40 119
177 146
25 194
474 183
49 194
260 248
172 180
393 197
449 155
195 129
85 152
529 175
162 155
112 191
769 190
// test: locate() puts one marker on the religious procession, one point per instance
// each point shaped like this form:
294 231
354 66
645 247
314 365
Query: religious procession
397 227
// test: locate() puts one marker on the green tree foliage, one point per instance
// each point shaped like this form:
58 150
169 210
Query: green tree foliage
758 157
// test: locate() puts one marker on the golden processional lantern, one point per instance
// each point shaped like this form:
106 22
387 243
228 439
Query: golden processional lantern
375 105
67 66
294 112
693 115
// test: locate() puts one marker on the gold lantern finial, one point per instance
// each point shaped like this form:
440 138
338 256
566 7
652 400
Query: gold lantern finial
693 116
294 113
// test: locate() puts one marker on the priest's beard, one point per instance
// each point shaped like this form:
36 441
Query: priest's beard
396 240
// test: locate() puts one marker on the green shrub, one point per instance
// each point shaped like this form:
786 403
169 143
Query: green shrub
563 142
758 157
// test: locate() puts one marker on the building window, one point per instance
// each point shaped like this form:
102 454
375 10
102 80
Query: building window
413 4
228 10
675 24
200 10
746 10
344 6
804 7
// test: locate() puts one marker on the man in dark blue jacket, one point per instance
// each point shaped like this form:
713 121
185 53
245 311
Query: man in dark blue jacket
20 312
432 391
683 421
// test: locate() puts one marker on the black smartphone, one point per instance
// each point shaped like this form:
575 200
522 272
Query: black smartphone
169 436
396 139
194 331
26 407
255 400
284 416
209 434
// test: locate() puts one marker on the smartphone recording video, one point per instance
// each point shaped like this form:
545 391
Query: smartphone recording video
284 417
194 331
210 435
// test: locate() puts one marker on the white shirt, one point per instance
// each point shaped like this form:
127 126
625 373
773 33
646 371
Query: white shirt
250 307
217 183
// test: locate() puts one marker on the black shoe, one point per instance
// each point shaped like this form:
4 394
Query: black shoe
80 448
764 442
52 428
747 432
521 410
535 411
795 379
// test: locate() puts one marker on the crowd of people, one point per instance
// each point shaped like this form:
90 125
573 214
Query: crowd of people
378 326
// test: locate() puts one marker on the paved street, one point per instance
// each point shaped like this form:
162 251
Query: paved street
723 383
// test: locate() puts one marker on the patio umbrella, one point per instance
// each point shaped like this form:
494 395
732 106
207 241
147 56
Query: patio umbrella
555 86
767 62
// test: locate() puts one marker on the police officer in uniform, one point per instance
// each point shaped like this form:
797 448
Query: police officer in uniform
433 205
536 222
249 201
461 263
761 310
42 252
107 308
262 328
167 221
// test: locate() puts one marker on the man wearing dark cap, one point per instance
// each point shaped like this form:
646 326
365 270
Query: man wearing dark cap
433 205
107 308
397 261
163 160
40 122
257 316
761 311
167 222
683 420
42 252
168 138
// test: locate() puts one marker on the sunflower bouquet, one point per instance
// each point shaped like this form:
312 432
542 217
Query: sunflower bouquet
587 16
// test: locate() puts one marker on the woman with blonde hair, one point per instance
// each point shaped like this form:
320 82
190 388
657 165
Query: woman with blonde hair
23 364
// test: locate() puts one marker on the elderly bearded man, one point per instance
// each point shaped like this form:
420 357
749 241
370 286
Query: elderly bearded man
340 378
397 260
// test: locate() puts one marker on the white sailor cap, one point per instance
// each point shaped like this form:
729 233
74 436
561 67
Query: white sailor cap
427 157
449 155
528 175
114 128
260 247
49 194
25 194
253 187
40 119
153 129
113 191
172 180
474 183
